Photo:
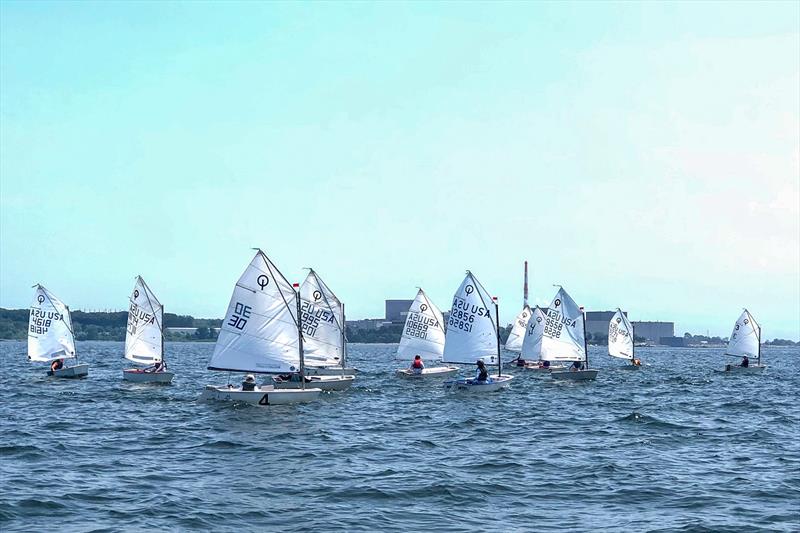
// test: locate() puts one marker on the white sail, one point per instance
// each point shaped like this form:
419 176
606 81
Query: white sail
563 336
143 338
471 328
620 336
50 334
532 343
322 320
517 335
423 332
746 337
259 332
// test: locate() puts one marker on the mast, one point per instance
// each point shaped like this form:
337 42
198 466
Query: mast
585 343
497 330
525 287
163 354
344 341
633 341
300 340
76 348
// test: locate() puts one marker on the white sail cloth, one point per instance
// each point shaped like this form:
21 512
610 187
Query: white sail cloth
471 328
620 336
144 333
517 334
50 334
532 343
423 332
259 332
322 319
746 337
563 336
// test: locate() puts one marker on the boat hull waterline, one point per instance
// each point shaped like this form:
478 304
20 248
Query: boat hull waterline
433 372
261 396
325 383
71 372
494 383
579 375
329 371
736 369
140 376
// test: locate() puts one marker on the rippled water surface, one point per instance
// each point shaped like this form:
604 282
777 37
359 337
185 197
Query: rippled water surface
674 447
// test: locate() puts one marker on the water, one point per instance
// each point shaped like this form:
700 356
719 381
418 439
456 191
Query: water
674 447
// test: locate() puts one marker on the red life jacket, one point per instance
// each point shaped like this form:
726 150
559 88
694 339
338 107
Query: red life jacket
417 363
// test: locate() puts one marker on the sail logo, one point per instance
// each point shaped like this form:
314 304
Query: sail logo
239 316
423 308
317 295
40 298
262 281
135 293
469 289
557 303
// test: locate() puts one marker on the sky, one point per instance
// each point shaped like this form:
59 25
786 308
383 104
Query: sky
643 155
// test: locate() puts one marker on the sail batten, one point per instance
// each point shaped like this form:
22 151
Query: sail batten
259 332
144 330
50 334
517 335
620 336
471 328
423 331
563 337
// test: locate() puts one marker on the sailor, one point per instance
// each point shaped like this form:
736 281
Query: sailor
249 383
417 365
544 364
636 362
481 374
576 366
58 364
158 366
521 362
745 362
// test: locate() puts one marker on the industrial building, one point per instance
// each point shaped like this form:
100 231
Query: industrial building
597 321
654 331
397 310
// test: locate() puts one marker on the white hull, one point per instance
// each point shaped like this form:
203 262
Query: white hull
433 372
77 371
262 396
325 383
534 367
495 383
138 376
580 375
329 371
752 369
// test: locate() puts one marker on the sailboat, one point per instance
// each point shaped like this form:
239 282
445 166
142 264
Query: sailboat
423 335
745 341
324 345
531 351
144 336
564 338
620 340
517 334
473 334
51 337
261 333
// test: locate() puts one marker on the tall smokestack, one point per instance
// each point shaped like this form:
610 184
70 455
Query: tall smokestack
525 288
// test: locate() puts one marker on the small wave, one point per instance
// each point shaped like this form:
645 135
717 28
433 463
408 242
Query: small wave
639 418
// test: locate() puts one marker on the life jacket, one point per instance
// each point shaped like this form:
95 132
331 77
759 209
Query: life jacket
417 363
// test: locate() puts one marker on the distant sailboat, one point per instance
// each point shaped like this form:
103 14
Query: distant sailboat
745 341
50 335
564 338
620 340
473 334
531 351
517 334
324 340
260 334
423 335
144 336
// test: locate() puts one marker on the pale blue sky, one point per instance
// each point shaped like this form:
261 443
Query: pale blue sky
643 155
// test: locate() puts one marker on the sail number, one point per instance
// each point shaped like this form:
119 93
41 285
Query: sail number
240 315
417 325
311 317
40 321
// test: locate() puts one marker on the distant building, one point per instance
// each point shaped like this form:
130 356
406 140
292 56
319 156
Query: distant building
597 321
397 310
366 323
673 341
654 331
